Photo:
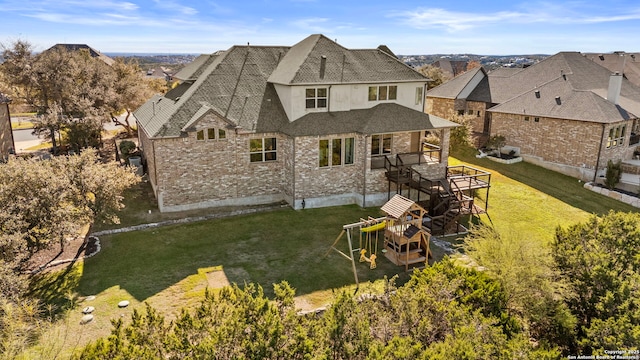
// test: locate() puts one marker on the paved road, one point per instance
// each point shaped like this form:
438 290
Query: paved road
25 139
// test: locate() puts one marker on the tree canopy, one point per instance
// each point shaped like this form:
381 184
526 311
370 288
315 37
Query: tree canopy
43 202
73 92
600 260
434 73
443 312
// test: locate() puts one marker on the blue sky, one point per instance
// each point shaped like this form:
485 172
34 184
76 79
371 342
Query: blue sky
407 27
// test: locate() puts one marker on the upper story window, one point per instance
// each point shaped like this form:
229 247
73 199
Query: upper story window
386 92
381 144
335 152
616 136
419 96
316 98
211 134
262 150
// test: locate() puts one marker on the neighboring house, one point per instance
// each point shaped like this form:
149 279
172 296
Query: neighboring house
160 72
93 52
566 113
626 63
452 68
312 125
7 145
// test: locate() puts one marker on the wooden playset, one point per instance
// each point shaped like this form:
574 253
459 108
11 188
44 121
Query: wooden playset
406 240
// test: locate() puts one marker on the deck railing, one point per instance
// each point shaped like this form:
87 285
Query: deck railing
430 154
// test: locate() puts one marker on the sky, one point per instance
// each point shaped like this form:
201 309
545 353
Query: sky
407 27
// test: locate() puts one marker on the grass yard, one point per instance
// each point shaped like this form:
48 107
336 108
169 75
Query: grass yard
530 200
170 267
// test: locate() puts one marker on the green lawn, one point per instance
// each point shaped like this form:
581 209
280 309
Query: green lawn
530 200
170 267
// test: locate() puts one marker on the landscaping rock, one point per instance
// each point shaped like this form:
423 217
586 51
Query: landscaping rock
85 319
88 310
123 304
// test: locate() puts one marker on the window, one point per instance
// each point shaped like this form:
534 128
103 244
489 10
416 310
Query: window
419 95
379 93
460 112
262 149
616 136
211 134
335 152
526 118
469 112
381 144
316 98
536 119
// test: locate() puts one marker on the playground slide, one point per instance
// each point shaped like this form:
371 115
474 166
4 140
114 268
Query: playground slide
376 227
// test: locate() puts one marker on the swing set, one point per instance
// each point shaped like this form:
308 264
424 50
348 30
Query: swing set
368 235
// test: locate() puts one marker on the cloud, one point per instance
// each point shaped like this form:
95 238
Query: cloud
558 14
316 25
174 6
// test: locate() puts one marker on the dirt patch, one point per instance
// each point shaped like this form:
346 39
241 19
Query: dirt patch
76 248
217 279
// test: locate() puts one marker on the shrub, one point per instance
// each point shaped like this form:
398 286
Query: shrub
127 149
613 175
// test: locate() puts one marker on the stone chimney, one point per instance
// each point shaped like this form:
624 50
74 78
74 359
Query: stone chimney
615 85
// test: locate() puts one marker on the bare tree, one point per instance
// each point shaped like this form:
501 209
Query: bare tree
434 73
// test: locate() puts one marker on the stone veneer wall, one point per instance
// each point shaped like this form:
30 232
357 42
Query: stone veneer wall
198 174
440 107
447 108
6 136
477 118
559 141
326 186
567 146
205 173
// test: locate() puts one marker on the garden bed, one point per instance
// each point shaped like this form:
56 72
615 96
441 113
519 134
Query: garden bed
505 158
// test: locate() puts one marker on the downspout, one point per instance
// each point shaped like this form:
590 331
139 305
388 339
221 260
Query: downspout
293 170
364 173
424 98
595 173
329 99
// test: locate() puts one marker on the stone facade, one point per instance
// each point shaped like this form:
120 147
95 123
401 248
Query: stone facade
474 111
206 173
6 135
568 146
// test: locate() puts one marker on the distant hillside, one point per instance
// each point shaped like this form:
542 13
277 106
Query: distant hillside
488 61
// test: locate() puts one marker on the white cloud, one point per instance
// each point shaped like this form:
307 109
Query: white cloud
317 25
174 6
558 14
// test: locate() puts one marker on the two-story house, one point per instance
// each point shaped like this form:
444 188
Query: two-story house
566 113
312 125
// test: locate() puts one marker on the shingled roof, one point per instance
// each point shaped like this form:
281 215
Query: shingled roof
232 85
626 63
301 65
580 85
192 70
382 118
238 85
452 88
